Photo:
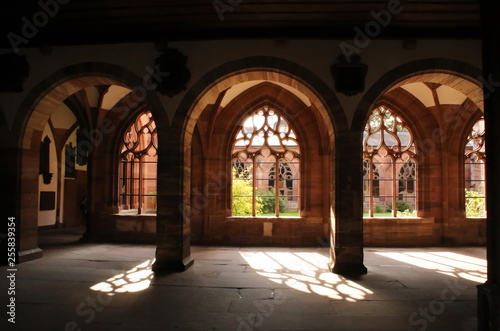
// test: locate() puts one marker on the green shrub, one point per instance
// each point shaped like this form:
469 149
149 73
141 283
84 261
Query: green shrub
401 206
268 199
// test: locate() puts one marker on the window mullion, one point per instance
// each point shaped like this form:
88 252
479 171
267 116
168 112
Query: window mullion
139 207
415 187
132 184
276 185
124 183
394 189
370 188
254 186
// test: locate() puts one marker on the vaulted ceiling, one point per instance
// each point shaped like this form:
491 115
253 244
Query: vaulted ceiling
97 21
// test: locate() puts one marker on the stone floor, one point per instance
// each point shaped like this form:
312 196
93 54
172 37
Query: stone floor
111 287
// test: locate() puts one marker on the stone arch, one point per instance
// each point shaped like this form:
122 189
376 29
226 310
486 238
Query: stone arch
66 81
207 89
437 135
34 113
275 72
456 74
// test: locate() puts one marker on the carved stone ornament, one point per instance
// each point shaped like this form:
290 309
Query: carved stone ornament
172 72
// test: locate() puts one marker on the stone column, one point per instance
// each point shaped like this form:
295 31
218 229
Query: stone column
10 207
173 251
20 167
347 227
489 292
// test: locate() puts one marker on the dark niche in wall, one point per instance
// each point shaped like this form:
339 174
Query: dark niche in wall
349 76
47 200
83 147
69 166
44 166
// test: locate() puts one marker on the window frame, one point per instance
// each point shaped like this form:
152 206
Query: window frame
478 152
261 158
395 157
132 166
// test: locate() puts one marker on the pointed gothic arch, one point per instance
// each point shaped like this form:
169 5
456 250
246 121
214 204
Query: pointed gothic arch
33 115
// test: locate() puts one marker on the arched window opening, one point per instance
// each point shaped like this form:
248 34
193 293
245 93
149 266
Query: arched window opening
138 164
475 172
389 166
265 142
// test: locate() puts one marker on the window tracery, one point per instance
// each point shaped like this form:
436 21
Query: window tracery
265 142
475 172
390 181
138 166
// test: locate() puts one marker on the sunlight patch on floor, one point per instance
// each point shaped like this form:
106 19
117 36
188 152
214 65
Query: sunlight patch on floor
447 263
134 280
306 272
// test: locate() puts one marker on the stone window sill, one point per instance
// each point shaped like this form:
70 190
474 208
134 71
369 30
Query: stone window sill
399 220
263 218
133 215
273 219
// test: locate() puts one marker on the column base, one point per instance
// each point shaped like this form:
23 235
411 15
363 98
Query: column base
29 255
348 269
488 307
347 260
173 265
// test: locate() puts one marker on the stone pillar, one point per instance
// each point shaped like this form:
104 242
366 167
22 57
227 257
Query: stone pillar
10 207
20 168
173 251
28 204
347 227
489 292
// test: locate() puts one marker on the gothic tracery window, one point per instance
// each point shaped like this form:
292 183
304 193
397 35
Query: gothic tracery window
138 163
389 166
475 172
265 142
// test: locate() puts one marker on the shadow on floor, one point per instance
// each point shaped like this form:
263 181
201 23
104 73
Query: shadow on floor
60 236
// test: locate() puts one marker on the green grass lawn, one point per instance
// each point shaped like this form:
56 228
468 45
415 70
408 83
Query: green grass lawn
386 214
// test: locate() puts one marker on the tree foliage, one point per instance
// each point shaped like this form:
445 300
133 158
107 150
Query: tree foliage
475 204
242 196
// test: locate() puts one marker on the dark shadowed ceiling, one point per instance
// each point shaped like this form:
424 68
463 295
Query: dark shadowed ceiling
93 21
